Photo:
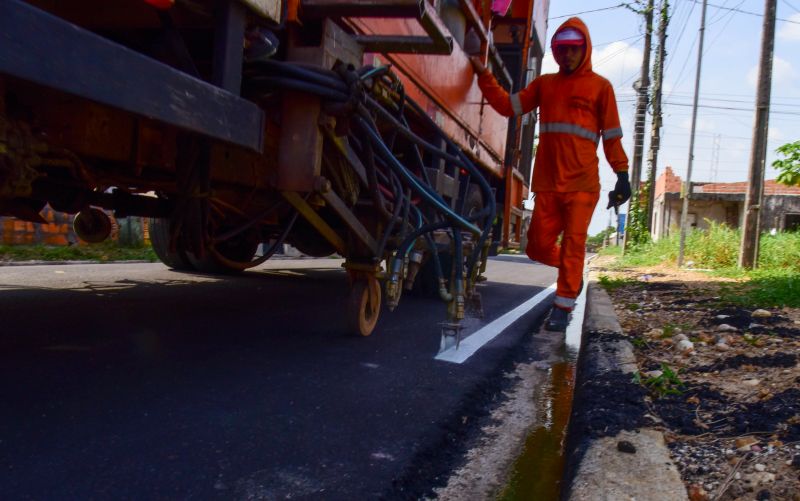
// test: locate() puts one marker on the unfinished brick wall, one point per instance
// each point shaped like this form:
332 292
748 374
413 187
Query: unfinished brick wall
771 187
57 231
667 182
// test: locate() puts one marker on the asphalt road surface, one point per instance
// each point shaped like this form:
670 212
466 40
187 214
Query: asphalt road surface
136 382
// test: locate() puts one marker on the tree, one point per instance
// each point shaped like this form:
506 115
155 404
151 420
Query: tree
790 165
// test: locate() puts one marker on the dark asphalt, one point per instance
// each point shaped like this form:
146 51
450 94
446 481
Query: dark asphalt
241 388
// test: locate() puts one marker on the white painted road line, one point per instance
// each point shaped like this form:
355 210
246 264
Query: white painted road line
476 340
575 327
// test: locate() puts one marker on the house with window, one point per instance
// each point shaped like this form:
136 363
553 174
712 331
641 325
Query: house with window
721 203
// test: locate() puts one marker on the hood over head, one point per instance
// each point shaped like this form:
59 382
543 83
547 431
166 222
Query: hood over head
576 24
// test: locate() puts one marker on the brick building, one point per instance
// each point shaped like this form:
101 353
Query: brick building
722 203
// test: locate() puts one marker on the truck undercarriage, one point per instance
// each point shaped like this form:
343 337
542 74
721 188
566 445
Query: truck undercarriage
236 131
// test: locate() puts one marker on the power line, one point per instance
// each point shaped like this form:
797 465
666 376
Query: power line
724 27
789 101
611 56
791 6
596 45
731 108
680 35
748 12
588 11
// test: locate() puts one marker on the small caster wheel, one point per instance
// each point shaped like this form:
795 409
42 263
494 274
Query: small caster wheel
363 306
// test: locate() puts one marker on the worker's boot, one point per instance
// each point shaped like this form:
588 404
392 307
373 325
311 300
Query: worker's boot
558 319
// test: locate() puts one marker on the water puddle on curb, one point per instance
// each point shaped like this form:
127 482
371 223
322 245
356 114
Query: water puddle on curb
537 473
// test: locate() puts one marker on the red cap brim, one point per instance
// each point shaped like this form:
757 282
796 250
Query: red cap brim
567 42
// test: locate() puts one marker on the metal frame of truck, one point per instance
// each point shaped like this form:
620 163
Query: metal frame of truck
364 134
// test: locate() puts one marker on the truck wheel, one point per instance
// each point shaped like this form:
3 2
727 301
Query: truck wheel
159 240
230 256
363 306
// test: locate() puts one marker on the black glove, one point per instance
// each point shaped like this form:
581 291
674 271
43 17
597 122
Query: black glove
621 192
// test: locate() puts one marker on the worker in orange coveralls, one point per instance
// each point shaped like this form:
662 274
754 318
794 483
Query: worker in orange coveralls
577 108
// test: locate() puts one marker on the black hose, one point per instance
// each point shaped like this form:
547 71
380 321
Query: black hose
394 217
298 85
282 69
390 159
427 195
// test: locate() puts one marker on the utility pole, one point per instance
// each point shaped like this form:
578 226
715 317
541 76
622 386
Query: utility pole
687 191
643 90
655 129
748 252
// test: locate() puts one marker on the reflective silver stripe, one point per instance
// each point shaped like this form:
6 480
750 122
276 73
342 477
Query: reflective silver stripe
564 302
566 128
612 133
516 104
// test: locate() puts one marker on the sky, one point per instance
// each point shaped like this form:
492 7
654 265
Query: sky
728 83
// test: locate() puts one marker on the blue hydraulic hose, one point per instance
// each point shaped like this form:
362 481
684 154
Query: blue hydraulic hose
412 180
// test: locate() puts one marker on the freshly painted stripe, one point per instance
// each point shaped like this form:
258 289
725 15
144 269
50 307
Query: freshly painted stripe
575 326
477 339
567 128
516 104
612 133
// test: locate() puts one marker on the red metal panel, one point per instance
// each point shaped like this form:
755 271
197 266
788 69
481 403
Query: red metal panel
447 88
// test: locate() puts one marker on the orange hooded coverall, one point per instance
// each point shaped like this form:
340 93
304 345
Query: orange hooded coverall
576 110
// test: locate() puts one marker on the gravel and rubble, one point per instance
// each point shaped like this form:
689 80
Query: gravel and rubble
723 380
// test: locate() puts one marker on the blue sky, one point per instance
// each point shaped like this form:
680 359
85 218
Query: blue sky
727 87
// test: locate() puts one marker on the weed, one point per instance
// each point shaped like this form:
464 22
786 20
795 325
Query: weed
639 342
612 284
667 383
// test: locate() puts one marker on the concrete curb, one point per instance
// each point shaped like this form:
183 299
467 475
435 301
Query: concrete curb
608 409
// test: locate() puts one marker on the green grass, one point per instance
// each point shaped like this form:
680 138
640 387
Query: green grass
611 284
718 248
776 281
106 251
767 288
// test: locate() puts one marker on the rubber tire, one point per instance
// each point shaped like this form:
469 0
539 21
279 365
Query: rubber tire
361 315
235 250
159 241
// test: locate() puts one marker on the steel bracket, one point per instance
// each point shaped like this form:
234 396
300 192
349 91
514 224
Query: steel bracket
437 40
43 49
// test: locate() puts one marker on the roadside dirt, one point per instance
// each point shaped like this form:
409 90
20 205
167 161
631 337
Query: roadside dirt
731 412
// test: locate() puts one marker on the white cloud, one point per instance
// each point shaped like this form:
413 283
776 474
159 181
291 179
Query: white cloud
549 64
790 31
783 74
776 134
703 125
617 61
